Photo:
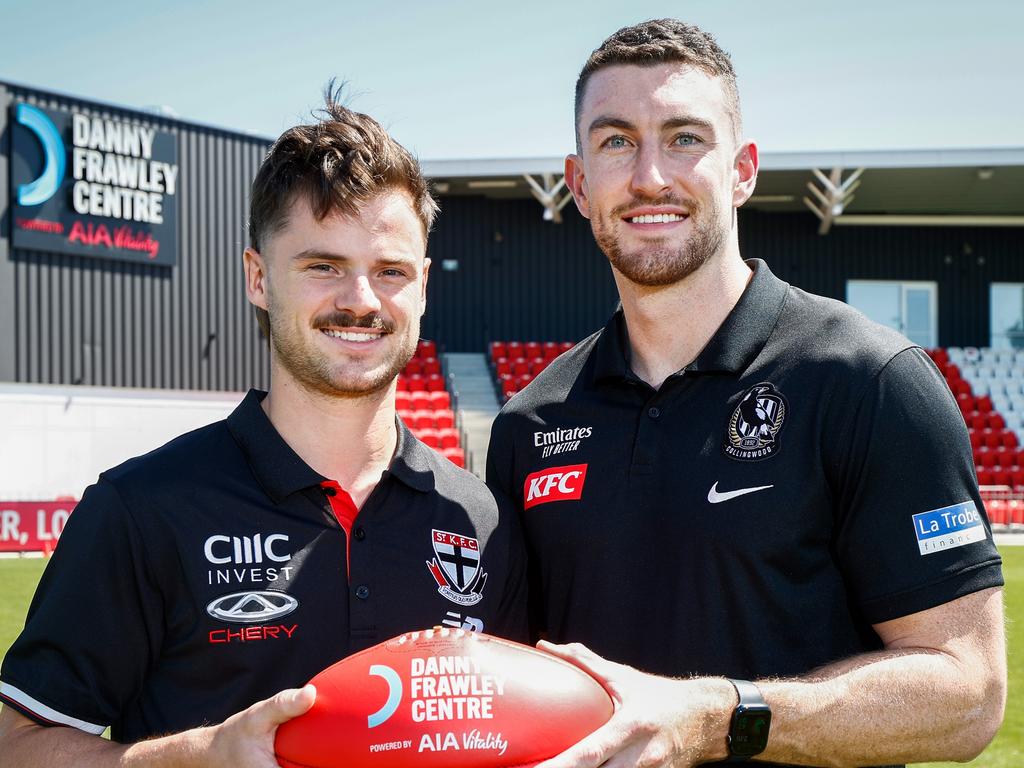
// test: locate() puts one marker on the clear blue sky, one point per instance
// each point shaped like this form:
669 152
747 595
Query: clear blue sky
485 79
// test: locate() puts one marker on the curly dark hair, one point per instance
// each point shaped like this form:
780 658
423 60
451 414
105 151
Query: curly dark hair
339 163
661 41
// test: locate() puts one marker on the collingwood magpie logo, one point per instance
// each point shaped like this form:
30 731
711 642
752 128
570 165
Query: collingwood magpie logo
753 431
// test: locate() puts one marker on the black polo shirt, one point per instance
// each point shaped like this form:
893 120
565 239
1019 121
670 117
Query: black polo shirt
807 476
211 573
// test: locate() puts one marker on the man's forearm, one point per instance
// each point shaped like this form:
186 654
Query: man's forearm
908 703
27 745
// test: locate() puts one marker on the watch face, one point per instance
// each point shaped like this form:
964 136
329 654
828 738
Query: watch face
748 735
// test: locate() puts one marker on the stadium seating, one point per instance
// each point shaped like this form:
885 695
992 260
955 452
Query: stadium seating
989 388
514 364
424 403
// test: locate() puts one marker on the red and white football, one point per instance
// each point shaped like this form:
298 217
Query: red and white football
444 698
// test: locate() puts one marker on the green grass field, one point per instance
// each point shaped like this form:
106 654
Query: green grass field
18 580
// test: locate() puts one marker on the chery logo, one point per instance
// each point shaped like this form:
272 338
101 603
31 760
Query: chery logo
554 484
252 607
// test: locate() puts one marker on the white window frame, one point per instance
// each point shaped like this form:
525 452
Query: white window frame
933 303
992 311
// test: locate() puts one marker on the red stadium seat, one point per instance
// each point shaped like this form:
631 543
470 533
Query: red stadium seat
430 365
426 349
976 421
407 415
962 387
565 346
415 383
423 420
532 350
538 365
441 399
520 367
1006 458
498 350
1001 477
1009 439
514 349
524 380
444 418
412 367
996 511
984 476
429 437
455 456
1015 513
403 383
975 437
449 438
1017 477
996 421
509 387
403 401
502 366
435 383
987 459
992 439
984 403
421 401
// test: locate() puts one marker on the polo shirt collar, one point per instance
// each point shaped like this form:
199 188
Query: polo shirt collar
733 346
281 472
414 461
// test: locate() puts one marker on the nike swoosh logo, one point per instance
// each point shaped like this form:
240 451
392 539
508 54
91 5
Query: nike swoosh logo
717 498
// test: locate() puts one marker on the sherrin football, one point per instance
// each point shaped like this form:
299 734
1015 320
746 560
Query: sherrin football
444 698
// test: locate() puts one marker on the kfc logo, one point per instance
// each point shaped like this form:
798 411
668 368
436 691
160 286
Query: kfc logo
554 484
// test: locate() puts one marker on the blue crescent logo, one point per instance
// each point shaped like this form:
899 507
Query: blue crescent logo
394 695
46 186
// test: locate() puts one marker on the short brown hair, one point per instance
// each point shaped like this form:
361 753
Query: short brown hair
662 41
339 162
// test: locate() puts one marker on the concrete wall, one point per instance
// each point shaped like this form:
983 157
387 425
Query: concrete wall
54 441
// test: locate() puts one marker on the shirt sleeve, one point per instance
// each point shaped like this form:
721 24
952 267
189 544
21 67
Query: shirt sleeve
499 458
911 528
94 626
512 610
500 478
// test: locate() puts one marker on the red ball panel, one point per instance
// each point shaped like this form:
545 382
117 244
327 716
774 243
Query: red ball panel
444 699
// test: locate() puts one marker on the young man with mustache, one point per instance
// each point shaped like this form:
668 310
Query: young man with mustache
195 587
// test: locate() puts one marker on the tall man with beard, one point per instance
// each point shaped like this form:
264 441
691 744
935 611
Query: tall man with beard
773 512
201 583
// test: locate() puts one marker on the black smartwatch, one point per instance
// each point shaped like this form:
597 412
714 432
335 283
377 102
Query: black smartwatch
748 731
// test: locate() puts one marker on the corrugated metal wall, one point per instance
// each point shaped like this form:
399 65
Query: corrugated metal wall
521 277
963 261
518 276
77 320
71 320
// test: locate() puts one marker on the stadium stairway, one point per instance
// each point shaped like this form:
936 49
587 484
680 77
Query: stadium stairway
470 380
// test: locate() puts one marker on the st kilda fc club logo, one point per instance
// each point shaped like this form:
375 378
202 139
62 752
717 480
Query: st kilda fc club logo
754 426
456 567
